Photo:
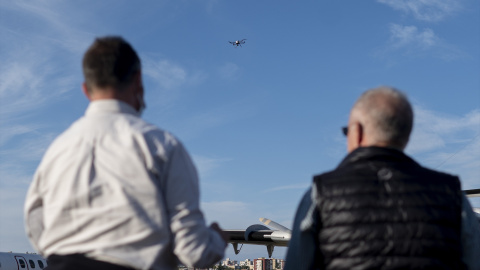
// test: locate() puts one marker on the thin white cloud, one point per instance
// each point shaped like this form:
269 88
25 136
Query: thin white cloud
50 22
289 187
425 10
19 158
167 79
448 143
9 132
165 73
205 165
37 57
439 123
22 83
410 41
403 36
31 147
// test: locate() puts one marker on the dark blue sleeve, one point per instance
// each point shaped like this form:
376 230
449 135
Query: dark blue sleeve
302 248
470 236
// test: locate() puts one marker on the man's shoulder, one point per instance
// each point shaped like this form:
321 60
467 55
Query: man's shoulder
327 174
436 173
65 140
154 133
132 125
335 174
86 130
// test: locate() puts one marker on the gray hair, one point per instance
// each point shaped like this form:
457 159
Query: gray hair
386 116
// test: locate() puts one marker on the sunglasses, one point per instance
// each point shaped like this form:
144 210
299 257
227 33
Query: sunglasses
345 130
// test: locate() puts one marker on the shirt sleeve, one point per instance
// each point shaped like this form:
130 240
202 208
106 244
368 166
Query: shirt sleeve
33 213
302 248
470 236
195 244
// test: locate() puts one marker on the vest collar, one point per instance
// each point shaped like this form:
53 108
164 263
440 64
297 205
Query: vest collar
374 153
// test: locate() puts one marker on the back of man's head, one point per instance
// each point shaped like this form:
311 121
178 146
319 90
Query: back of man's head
110 62
386 116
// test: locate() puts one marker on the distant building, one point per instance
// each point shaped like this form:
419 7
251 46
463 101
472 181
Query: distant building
181 267
247 263
262 264
229 263
278 264
256 264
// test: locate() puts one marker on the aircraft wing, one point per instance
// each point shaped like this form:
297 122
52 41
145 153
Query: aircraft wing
258 234
474 193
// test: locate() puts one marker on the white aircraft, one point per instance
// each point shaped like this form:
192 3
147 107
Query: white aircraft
258 234
19 261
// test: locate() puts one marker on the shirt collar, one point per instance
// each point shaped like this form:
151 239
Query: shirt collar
110 106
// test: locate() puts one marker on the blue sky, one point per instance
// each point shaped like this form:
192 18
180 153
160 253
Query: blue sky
260 120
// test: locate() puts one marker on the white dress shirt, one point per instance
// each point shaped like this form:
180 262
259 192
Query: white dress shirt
118 189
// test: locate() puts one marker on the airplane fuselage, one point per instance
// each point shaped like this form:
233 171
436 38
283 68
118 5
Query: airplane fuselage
21 261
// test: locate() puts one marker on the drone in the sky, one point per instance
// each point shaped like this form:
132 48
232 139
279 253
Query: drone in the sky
238 42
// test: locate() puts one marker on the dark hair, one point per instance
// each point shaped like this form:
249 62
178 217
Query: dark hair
110 62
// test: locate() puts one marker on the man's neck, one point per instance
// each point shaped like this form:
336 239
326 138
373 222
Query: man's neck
126 96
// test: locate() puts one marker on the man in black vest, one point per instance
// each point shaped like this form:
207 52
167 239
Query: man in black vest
379 209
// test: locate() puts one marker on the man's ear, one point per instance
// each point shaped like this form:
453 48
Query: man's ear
360 134
355 136
138 82
85 91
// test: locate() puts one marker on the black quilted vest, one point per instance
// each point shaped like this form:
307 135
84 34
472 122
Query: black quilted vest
381 210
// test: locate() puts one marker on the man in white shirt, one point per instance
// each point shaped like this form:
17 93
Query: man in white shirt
115 192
